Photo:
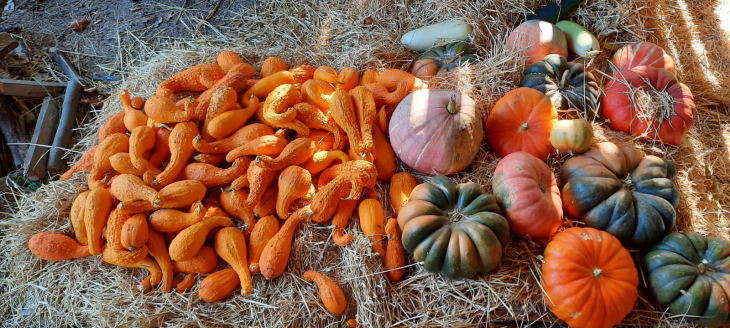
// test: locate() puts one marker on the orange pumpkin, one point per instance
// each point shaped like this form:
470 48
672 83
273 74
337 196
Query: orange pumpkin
522 121
526 190
589 279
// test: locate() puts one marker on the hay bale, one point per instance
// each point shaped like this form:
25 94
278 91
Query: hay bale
89 292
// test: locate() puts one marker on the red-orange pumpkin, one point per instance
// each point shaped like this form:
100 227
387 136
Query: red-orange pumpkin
642 54
526 190
522 121
666 122
536 39
589 279
437 131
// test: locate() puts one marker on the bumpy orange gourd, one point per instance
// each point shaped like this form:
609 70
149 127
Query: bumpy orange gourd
77 217
191 80
343 112
369 76
264 230
383 155
323 159
317 93
116 143
181 149
231 246
366 113
270 145
175 195
295 153
158 249
212 159
372 223
114 124
331 295
521 121
135 232
130 188
267 205
384 97
276 252
96 210
395 254
189 241
234 203
259 179
227 60
172 220
235 79
230 121
223 100
212 176
218 285
263 87
132 117
122 163
314 118
164 110
272 65
294 124
325 140
348 78
240 137
401 185
56 247
204 262
391 77
302 73
83 164
326 74
341 219
141 141
294 183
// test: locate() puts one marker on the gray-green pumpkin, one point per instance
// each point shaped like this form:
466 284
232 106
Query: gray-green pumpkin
456 230
442 59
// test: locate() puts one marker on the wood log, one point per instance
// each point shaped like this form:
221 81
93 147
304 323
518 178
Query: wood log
45 128
30 89
66 124
11 131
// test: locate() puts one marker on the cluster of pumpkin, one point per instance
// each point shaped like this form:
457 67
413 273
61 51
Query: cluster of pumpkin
218 155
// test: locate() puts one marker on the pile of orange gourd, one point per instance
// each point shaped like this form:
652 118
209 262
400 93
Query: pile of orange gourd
213 145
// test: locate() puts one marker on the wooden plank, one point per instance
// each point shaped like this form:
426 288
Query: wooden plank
31 89
7 44
12 133
66 66
65 125
37 159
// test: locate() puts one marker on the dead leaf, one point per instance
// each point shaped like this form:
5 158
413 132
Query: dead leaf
80 25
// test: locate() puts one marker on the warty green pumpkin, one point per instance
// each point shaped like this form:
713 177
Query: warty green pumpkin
689 274
614 189
456 230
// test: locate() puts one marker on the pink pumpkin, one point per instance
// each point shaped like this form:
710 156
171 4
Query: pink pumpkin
536 39
436 131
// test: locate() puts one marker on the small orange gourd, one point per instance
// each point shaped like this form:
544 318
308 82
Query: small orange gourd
295 153
323 159
135 232
326 74
263 87
240 137
231 246
343 112
348 79
190 80
83 164
77 217
130 188
172 220
189 241
385 97
302 73
264 230
317 93
141 141
122 163
181 149
332 296
132 117
391 77
116 143
204 262
267 205
230 121
227 60
369 76
56 247
276 252
164 110
264 145
114 124
401 185
277 107
212 176
96 210
395 256
271 66
383 155
372 224
186 283
223 100
218 285
366 114
294 183
314 118
235 79
341 219
234 203
158 249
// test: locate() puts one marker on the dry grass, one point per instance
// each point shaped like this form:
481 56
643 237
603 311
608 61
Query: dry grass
89 292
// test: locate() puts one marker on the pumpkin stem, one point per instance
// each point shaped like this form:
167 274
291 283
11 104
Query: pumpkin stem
453 59
704 266
452 108
523 127
563 79
597 272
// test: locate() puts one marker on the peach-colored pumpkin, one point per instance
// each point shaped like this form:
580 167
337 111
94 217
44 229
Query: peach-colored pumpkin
536 39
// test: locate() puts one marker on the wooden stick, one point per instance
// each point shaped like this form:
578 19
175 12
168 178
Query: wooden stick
37 159
12 133
30 89
66 66
65 125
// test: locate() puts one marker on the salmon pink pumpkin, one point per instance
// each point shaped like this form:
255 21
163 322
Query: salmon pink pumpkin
436 131
642 54
536 39
526 190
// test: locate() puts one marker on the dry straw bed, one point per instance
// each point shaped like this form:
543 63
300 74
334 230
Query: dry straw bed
89 292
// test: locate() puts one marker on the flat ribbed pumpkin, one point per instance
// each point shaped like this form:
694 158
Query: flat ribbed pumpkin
642 54
614 189
522 121
689 274
589 279
436 131
456 230
529 195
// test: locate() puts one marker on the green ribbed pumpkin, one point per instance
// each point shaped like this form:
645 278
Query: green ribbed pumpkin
691 275
442 59
456 230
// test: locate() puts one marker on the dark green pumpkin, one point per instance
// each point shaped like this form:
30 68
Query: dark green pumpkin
691 275
613 188
566 83
456 230
444 58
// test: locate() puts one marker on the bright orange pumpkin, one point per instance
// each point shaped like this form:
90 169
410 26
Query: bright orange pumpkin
521 121
526 190
589 279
